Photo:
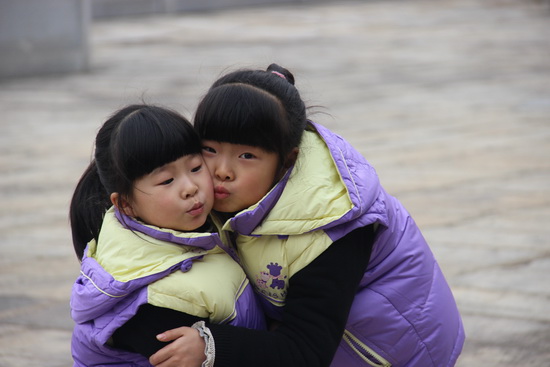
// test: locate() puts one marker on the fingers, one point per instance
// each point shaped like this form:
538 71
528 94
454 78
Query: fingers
172 334
174 353
160 356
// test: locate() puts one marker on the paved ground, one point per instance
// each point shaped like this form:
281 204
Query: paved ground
449 99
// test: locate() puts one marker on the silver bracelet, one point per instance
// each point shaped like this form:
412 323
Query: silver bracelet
209 348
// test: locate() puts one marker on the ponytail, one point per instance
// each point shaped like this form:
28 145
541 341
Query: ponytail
282 72
89 203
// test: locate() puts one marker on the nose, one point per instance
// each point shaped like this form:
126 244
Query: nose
189 189
223 171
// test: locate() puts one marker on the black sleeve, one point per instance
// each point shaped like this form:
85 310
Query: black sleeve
317 306
139 333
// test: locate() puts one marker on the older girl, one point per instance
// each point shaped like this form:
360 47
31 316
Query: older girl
339 264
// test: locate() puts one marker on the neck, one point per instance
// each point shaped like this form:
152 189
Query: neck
224 217
206 227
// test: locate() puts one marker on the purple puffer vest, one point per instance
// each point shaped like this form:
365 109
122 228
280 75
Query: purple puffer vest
404 313
100 304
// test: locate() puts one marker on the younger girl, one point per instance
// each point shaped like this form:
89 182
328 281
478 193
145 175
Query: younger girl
138 218
307 212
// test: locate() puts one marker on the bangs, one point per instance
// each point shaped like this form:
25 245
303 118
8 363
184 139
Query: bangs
149 139
241 114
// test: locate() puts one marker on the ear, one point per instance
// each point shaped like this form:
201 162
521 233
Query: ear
121 204
291 157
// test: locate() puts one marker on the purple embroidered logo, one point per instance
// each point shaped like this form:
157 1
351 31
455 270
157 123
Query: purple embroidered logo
272 278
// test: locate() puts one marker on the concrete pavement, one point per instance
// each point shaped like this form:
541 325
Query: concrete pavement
449 99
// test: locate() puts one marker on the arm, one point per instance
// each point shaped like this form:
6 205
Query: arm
317 306
139 333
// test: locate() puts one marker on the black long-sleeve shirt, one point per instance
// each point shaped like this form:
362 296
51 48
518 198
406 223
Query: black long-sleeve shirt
316 309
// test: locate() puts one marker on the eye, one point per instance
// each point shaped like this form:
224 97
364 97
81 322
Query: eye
167 182
247 156
208 149
197 169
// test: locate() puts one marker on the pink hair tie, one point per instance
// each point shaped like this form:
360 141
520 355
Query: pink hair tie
278 74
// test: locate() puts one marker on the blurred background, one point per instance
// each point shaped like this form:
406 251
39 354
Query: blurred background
448 99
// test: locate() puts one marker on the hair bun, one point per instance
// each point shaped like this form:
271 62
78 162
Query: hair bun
281 71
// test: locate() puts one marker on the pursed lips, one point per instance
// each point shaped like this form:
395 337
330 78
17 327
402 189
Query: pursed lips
196 209
220 192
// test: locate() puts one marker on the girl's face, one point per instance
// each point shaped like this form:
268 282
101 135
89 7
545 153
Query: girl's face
178 195
242 174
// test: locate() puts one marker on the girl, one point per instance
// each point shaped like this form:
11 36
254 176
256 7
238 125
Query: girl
148 262
307 212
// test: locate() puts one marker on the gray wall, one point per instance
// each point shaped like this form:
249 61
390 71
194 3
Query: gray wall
43 36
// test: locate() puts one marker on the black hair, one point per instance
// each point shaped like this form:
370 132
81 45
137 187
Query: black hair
133 142
260 108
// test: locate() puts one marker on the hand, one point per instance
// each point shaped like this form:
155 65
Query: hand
186 349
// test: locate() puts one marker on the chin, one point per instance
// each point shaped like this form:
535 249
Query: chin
224 208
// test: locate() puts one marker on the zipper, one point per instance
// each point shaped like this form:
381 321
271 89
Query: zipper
364 352
226 239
